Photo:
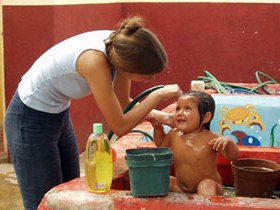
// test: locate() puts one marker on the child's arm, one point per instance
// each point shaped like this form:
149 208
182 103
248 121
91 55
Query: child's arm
160 138
226 146
161 117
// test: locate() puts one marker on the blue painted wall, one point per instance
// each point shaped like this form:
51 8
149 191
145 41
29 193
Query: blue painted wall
251 120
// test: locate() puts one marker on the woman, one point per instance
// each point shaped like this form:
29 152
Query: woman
38 127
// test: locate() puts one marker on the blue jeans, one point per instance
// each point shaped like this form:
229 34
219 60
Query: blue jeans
43 149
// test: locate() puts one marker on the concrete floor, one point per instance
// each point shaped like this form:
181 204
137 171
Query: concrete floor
10 197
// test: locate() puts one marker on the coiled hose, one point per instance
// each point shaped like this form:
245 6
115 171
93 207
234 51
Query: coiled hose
131 105
224 87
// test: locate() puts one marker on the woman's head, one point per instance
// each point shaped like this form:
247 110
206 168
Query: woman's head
135 49
205 103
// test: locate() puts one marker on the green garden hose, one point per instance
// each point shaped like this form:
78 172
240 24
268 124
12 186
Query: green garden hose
146 134
132 104
224 87
262 84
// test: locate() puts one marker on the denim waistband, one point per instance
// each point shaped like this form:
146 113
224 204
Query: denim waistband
17 104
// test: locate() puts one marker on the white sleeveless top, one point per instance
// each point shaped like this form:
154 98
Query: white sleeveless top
52 81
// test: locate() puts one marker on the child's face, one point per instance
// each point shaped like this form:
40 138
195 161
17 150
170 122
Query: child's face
187 117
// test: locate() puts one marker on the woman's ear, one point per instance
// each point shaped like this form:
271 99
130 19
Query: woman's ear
207 117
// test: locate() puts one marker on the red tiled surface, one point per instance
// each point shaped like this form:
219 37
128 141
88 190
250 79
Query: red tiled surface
75 195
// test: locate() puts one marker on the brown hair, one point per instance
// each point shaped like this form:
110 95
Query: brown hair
134 48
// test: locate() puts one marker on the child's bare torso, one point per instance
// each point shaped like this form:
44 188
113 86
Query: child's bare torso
194 159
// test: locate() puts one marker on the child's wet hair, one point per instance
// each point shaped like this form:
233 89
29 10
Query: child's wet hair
206 103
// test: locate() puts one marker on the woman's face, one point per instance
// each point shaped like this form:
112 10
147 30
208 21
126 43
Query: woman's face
138 77
187 118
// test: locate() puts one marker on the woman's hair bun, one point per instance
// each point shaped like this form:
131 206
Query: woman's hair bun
134 48
130 25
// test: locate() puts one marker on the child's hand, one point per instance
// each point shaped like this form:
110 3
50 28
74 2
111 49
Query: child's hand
226 146
155 123
159 134
220 143
160 117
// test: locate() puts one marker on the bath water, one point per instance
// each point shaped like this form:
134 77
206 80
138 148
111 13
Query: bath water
98 161
257 168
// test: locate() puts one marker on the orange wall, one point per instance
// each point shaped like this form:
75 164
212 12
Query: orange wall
231 40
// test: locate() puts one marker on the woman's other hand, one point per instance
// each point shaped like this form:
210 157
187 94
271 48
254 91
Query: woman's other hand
169 92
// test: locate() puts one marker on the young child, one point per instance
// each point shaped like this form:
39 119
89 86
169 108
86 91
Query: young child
194 146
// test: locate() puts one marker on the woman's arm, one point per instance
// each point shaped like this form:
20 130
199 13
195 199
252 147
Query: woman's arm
93 66
122 89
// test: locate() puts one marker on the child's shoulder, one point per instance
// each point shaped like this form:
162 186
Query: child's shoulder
214 134
210 134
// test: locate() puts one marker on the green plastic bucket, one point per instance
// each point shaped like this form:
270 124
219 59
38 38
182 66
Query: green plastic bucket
149 170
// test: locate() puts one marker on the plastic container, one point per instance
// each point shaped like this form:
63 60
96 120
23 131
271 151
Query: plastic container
255 177
149 170
98 161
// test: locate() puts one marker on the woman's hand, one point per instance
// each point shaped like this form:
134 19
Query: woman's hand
169 92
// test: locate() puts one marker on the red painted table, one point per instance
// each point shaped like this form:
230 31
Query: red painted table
75 195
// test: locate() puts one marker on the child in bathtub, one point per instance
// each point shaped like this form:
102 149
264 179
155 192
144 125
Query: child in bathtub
194 146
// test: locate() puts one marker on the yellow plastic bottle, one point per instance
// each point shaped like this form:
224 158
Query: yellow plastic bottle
98 161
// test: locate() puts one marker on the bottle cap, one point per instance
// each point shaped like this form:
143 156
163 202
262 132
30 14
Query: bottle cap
97 128
197 85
